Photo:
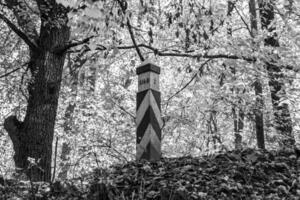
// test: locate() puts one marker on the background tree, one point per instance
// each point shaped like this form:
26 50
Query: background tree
283 121
259 117
189 40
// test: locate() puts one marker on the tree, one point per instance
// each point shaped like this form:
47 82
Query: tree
283 122
207 70
237 111
258 112
33 136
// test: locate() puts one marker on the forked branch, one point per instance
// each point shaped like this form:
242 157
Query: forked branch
20 33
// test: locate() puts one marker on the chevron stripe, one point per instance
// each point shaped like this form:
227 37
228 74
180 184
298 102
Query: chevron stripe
149 100
149 118
140 97
148 113
149 145
156 95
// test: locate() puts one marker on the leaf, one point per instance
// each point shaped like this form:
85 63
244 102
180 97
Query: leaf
92 46
251 158
115 52
152 194
68 3
202 194
92 12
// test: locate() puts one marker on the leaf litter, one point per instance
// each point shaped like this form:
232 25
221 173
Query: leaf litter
247 174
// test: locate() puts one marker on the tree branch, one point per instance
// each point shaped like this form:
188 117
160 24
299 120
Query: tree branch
21 34
24 17
188 55
189 82
178 53
244 21
12 125
74 44
8 73
133 41
123 5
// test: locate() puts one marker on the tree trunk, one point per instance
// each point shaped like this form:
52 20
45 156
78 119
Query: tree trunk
237 111
259 117
238 126
258 112
33 137
283 121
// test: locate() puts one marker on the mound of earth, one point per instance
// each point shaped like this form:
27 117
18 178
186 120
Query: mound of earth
248 174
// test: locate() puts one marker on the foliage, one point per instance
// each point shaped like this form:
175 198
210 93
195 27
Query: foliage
247 174
179 36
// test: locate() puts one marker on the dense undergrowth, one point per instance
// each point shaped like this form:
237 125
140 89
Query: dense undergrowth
247 174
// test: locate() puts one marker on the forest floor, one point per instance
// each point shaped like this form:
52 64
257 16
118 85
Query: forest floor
248 174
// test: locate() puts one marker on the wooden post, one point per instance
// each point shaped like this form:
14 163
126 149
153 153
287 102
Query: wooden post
148 117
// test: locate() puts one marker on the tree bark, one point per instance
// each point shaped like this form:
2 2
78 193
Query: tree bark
283 121
258 112
237 111
33 137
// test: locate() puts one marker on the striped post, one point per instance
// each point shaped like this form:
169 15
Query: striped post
148 117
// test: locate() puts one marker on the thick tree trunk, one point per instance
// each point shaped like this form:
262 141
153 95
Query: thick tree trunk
258 112
283 121
33 137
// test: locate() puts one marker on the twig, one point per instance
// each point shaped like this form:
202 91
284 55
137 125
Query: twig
123 109
122 4
119 153
133 41
242 18
74 44
8 73
188 83
96 158
179 54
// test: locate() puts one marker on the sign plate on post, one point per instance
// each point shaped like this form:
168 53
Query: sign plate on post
148 114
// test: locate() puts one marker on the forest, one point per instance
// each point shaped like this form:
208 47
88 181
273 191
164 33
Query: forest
149 99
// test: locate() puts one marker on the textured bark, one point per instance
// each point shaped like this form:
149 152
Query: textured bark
92 79
259 118
258 112
283 121
33 137
238 122
237 111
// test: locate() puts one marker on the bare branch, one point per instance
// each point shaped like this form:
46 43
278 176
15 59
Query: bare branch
21 34
24 17
8 73
123 5
124 110
74 44
189 82
189 55
244 21
171 53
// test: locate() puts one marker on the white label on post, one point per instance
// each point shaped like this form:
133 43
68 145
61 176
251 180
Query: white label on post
148 80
